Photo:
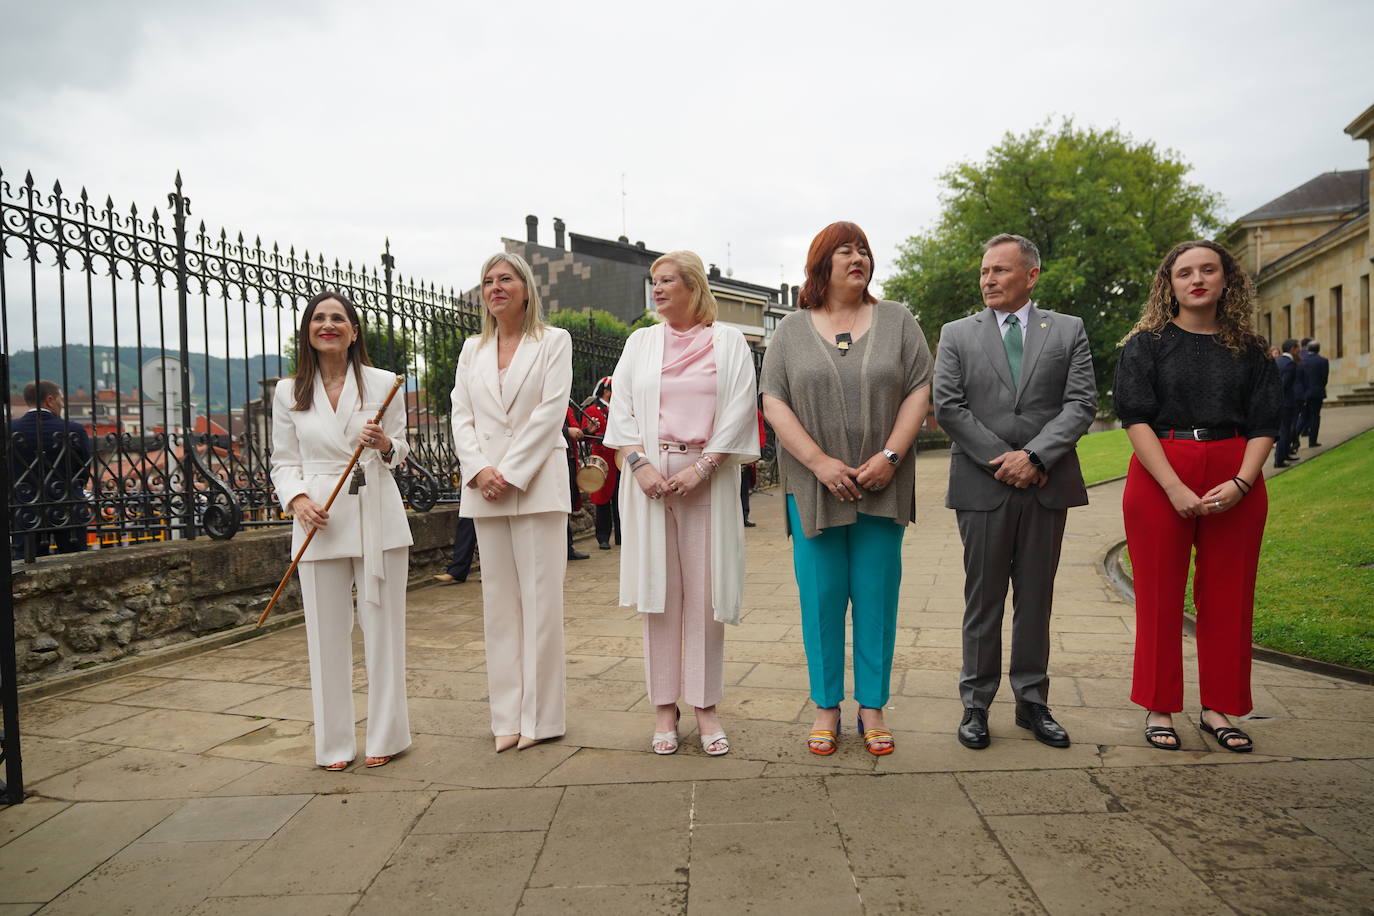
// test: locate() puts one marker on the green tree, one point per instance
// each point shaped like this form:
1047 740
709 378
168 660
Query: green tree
1103 209
598 337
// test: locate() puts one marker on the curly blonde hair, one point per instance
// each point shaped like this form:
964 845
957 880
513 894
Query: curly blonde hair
1235 328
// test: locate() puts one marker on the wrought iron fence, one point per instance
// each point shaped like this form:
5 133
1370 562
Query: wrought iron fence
166 339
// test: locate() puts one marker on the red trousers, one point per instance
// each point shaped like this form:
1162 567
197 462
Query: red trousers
1227 545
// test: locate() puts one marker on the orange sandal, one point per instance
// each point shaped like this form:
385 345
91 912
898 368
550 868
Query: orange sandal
877 741
821 743
336 767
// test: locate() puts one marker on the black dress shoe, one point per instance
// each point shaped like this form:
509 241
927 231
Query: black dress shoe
1036 717
973 730
604 545
749 524
575 554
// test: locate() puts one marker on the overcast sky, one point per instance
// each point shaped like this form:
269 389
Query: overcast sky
441 124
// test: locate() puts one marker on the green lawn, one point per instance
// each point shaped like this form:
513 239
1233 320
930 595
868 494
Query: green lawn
1104 455
1315 592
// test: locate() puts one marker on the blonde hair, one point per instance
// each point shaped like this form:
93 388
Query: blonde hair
703 308
533 325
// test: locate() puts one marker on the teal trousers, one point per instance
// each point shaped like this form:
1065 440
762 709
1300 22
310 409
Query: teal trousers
856 566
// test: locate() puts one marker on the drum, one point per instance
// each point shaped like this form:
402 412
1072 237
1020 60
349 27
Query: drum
592 474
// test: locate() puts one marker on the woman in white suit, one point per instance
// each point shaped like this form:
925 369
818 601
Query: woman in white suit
510 395
363 540
684 420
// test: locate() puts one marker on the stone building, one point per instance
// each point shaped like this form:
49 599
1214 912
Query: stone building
582 272
1311 251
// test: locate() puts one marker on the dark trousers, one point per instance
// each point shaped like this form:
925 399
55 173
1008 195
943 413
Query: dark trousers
608 519
464 544
1311 420
1016 544
746 484
1288 435
67 540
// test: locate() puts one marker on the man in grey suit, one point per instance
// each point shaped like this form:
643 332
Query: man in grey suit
1014 389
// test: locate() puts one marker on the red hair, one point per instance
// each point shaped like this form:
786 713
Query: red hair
818 266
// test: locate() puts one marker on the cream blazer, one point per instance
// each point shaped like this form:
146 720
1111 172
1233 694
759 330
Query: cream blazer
311 448
515 426
634 422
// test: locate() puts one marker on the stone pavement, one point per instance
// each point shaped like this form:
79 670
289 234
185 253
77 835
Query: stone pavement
189 788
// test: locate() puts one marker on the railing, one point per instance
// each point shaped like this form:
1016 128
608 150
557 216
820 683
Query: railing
166 339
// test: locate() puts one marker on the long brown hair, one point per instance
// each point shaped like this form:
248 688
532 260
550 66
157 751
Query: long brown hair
308 361
818 265
1235 329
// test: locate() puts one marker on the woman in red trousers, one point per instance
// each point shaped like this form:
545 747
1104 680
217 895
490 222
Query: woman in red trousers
1200 402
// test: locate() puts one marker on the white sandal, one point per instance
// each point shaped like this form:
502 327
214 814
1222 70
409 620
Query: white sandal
708 741
668 738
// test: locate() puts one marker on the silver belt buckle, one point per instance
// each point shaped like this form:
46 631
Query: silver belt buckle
1200 435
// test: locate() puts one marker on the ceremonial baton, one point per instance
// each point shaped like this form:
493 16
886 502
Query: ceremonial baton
310 535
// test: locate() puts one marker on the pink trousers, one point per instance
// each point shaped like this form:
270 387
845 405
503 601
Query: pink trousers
684 647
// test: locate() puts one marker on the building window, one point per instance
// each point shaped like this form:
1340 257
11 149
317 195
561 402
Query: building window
1287 321
1309 308
1269 326
1339 317
1364 314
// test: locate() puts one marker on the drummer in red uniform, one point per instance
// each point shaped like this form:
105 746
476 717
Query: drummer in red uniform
606 499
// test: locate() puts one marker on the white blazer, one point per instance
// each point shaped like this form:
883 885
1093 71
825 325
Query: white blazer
311 448
515 426
634 422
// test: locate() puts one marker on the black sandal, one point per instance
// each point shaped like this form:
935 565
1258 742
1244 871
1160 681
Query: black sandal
1224 735
1154 734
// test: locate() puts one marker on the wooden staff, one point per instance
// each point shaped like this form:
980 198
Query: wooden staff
310 535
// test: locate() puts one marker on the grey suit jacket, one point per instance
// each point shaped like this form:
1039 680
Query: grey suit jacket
976 404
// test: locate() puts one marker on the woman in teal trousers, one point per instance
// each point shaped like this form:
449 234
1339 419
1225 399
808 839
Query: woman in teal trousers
846 386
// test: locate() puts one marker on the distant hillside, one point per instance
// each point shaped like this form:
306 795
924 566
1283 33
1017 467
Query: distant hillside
234 377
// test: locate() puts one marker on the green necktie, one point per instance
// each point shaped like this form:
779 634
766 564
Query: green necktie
1012 341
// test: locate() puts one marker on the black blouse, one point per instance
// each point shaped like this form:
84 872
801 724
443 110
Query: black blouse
1181 380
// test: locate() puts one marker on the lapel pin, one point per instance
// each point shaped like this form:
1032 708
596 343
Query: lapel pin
1043 325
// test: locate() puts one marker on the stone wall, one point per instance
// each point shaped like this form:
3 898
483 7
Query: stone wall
78 611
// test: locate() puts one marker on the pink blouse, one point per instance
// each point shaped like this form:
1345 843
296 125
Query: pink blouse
687 388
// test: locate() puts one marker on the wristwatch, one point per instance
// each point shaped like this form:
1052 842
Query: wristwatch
1035 459
892 457
632 459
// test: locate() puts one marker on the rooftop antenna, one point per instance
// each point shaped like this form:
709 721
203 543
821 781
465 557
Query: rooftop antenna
624 230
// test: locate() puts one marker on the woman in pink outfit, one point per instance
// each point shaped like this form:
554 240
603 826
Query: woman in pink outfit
683 420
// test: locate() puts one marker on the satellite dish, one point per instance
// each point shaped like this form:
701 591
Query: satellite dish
161 380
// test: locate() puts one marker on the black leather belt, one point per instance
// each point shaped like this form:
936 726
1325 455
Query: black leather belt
1199 435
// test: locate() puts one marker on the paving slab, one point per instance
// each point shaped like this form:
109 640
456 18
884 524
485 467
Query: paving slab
143 773
336 844
641 899
114 689
175 730
490 811
1035 792
46 860
152 878
782 867
986 895
1282 892
1100 863
203 820
1348 827
421 876
44 757
61 718
200 695
473 762
594 766
216 667
274 779
597 830
16 820
276 905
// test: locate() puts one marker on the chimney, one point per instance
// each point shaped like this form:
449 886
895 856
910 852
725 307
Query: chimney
714 272
783 298
640 246
532 229
557 232
795 291
623 239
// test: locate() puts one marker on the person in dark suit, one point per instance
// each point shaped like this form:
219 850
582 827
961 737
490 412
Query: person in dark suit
1313 372
49 464
1014 389
464 545
1291 393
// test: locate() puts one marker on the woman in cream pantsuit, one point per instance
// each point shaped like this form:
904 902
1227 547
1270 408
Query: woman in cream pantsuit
510 394
684 419
363 540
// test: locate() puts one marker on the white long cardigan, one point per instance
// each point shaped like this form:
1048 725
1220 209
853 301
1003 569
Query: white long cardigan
634 422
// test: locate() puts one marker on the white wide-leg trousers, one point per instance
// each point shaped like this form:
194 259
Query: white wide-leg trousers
327 592
524 558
